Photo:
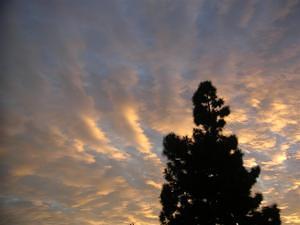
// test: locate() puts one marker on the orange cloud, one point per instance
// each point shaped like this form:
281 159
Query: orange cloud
141 139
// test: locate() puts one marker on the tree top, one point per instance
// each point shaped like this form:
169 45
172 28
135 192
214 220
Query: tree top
209 110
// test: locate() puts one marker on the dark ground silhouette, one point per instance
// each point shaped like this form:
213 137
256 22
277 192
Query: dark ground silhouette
206 181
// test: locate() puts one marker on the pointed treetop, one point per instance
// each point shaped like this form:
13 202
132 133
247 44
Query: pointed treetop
208 108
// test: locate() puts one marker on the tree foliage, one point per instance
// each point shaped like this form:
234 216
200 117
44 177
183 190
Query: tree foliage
206 181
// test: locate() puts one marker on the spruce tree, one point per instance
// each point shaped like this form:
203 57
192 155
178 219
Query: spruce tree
206 181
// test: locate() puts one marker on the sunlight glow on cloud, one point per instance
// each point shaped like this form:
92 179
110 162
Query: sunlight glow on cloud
89 89
142 141
154 184
95 133
293 218
257 139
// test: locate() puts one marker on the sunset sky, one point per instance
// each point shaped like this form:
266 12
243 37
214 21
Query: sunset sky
89 89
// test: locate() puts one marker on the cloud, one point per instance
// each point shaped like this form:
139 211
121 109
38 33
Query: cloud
154 184
257 139
89 90
292 219
142 141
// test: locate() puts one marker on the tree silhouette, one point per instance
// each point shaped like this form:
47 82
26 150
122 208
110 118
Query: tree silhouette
206 181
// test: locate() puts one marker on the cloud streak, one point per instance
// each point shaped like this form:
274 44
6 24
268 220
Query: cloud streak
88 90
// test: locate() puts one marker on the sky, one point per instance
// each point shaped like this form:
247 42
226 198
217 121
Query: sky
90 88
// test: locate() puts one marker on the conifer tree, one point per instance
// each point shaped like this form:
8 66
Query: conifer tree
206 181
